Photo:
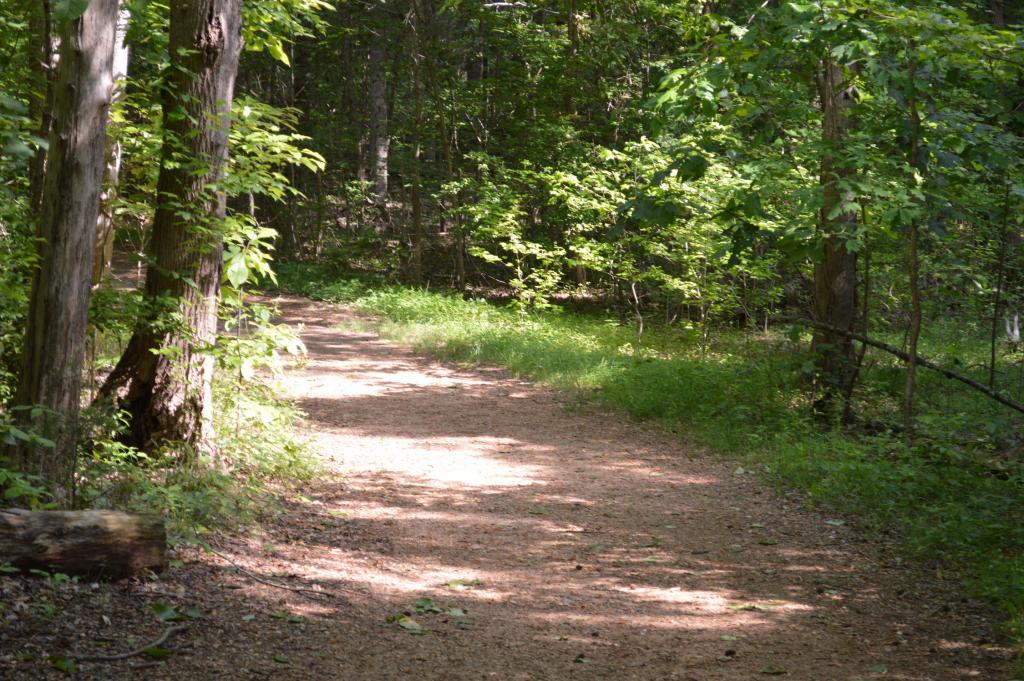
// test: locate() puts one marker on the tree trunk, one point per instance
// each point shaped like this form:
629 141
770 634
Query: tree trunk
42 63
998 10
54 346
419 236
380 142
105 221
445 147
163 379
997 294
571 54
913 264
835 271
96 544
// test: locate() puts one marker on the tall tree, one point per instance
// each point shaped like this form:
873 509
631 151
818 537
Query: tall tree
377 89
54 345
835 270
41 66
105 221
163 379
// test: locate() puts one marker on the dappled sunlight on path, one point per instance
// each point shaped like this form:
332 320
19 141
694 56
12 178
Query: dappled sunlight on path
542 543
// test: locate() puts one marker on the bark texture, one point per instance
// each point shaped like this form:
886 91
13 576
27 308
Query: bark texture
835 272
42 63
54 346
163 379
380 141
105 222
97 544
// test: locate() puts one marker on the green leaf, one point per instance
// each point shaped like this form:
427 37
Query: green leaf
69 10
166 613
13 105
237 271
427 605
276 50
63 663
156 652
410 625
18 148
281 659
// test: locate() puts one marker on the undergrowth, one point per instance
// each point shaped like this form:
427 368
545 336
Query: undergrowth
257 454
955 497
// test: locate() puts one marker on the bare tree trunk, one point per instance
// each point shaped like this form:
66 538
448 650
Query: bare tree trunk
445 146
54 350
42 63
105 221
419 236
998 10
380 142
997 296
572 51
835 272
865 311
913 265
163 379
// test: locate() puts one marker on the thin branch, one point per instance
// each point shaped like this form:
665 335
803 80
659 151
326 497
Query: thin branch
277 585
756 11
168 632
893 350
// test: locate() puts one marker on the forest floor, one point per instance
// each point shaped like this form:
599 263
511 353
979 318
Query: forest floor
469 525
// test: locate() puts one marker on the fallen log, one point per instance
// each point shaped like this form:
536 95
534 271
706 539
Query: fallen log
94 544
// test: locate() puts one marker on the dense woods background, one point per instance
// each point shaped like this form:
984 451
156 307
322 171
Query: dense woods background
791 229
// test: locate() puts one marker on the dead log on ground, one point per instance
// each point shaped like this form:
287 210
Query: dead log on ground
94 544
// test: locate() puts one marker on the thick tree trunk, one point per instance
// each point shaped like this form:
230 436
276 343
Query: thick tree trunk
835 271
105 222
163 379
998 10
54 349
97 544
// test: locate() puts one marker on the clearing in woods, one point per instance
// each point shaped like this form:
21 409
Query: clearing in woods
471 526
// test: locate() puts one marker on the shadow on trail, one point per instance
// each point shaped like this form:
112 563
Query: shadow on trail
578 545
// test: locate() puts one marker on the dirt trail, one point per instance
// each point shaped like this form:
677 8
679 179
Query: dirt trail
578 545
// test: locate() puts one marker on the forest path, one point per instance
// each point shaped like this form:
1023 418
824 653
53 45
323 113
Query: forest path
580 546
552 543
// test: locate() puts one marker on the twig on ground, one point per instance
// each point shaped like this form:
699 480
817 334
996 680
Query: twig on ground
168 632
278 585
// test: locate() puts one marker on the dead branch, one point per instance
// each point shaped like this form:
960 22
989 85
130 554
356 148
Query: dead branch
893 350
277 585
168 632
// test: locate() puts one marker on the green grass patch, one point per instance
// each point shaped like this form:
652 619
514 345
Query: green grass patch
953 497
